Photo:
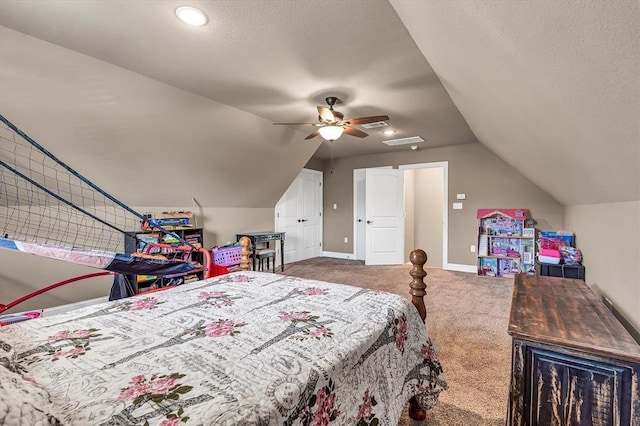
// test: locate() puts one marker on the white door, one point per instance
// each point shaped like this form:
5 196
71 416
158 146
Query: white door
287 218
385 216
299 214
310 202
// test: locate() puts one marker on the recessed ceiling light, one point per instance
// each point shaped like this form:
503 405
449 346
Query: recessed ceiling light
389 132
191 15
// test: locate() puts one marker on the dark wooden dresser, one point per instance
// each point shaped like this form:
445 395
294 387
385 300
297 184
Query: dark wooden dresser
573 363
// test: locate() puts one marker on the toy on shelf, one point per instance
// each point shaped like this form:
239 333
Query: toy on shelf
505 245
556 247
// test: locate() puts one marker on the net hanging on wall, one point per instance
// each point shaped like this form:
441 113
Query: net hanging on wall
42 200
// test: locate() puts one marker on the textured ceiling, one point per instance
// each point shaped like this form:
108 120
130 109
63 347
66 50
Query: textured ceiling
123 87
551 87
277 60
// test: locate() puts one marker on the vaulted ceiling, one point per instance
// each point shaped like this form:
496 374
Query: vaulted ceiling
158 112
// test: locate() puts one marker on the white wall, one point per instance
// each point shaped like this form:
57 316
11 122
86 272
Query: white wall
609 236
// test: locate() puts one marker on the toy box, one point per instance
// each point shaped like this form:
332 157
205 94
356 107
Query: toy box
169 220
561 237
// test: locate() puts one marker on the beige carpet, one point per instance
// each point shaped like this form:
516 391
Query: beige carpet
466 315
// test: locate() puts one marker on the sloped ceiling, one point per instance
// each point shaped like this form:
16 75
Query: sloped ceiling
552 87
158 112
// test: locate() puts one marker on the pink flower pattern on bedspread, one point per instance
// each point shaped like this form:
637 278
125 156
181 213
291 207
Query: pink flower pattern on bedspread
401 331
156 390
242 348
366 416
321 409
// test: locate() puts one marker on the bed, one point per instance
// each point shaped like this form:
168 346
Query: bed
244 348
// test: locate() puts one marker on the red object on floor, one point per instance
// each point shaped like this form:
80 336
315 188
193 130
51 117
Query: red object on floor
218 270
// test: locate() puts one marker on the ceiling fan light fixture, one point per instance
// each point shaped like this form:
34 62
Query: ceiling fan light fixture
331 133
192 16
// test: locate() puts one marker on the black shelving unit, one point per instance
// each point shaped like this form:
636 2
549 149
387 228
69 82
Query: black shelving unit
135 241
564 271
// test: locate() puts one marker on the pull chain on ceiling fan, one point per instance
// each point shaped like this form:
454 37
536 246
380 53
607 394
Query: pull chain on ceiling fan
331 123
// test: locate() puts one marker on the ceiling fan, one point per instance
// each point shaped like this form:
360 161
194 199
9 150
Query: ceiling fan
331 123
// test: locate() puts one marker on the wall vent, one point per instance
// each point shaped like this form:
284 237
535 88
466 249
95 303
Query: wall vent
375 125
404 141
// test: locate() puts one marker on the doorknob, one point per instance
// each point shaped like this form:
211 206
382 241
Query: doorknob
299 221
304 220
359 220
369 221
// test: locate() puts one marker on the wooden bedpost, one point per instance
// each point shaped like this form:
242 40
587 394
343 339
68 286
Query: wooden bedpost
418 290
245 252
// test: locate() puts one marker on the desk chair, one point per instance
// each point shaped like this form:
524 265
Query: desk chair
268 254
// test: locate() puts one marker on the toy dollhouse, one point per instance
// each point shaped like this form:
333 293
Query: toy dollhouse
505 246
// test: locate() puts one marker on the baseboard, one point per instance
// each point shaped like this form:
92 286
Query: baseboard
461 268
338 255
54 310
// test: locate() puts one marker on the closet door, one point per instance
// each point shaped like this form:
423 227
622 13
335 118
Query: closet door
310 209
299 214
287 218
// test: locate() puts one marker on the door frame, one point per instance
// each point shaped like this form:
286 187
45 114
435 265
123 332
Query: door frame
444 165
445 207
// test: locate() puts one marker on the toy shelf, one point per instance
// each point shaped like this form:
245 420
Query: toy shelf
137 241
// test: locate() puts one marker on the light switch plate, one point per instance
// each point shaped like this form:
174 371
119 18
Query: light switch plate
457 206
461 196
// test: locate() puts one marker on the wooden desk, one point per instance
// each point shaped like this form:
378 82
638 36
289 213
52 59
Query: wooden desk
573 362
264 237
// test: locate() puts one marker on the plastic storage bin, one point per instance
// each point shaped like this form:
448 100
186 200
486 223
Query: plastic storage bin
226 256
563 236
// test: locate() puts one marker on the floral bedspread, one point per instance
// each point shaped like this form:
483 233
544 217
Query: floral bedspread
247 348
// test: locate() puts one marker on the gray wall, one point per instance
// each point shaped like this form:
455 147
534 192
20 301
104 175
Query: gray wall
486 179
409 213
428 211
608 235
315 164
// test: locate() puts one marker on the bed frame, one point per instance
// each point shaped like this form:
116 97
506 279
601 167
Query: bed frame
418 289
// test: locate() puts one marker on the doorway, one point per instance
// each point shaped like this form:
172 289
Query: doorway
425 210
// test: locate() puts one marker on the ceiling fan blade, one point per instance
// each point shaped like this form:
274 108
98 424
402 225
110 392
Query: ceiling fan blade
325 113
296 124
366 120
355 132
312 135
